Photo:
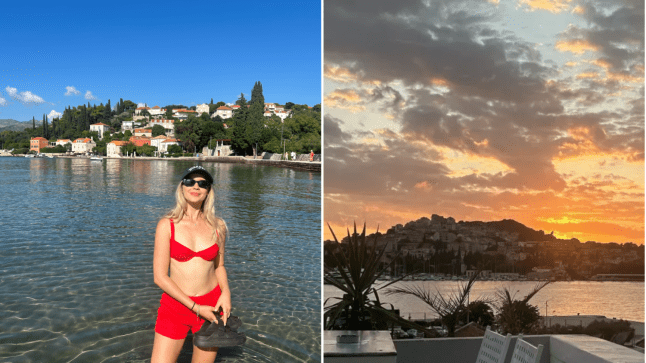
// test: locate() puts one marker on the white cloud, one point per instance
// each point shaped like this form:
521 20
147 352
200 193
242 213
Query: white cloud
71 91
89 96
141 104
3 101
24 97
54 114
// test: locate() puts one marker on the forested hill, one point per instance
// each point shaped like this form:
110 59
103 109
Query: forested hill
511 226
8 124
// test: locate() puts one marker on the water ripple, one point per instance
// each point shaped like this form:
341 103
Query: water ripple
76 279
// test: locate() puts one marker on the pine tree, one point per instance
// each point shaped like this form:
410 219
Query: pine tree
211 101
33 120
241 101
107 111
256 94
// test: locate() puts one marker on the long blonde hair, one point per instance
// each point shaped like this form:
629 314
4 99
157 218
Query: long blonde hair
208 209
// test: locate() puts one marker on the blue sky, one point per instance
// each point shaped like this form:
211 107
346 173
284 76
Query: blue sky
158 53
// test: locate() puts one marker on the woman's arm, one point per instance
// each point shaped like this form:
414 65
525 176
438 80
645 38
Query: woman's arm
224 301
161 263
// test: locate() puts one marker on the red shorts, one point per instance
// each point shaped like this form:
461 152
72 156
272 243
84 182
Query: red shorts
174 320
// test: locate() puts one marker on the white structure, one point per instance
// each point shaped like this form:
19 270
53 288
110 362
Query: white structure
63 142
270 106
100 128
127 125
140 110
283 114
113 149
156 111
182 114
83 145
224 112
168 125
143 132
166 143
157 140
203 108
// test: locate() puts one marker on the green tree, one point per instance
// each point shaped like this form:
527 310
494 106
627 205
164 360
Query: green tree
450 307
254 125
358 266
241 101
239 142
158 130
256 94
518 316
175 149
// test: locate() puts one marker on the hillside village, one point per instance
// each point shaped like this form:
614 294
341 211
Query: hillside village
141 126
506 249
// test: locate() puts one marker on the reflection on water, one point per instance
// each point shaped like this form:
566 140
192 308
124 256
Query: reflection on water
77 239
621 300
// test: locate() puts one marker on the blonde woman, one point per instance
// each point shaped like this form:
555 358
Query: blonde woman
197 285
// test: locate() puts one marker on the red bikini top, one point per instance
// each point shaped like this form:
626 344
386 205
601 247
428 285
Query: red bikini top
182 253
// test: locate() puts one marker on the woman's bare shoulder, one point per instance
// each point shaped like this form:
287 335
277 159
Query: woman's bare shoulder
163 225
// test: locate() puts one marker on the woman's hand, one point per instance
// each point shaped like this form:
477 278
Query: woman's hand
224 302
206 312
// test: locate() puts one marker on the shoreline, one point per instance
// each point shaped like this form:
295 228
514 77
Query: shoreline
314 166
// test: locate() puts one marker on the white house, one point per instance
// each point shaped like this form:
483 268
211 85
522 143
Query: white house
127 125
83 145
182 114
168 125
224 112
143 132
157 140
203 108
166 143
63 142
156 111
100 128
113 149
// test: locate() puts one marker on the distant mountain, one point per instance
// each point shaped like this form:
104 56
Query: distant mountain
8 124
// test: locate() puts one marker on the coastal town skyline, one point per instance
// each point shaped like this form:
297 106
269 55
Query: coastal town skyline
524 110
148 55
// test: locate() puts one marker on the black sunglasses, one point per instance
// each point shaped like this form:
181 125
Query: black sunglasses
200 183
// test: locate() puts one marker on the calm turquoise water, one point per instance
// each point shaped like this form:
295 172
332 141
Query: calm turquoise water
77 238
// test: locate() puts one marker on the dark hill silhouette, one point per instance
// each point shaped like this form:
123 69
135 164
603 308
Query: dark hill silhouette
511 226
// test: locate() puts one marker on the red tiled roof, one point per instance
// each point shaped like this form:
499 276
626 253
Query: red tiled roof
99 124
224 108
118 142
39 138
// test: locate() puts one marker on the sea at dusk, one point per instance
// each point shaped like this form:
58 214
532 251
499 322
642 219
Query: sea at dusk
620 300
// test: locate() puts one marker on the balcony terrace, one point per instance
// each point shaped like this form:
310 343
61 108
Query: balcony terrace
556 349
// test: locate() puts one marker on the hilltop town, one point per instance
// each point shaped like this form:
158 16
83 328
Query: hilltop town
443 248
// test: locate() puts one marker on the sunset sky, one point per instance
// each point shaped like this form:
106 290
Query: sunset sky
531 110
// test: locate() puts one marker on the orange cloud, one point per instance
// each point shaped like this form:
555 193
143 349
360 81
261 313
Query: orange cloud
344 99
576 46
587 75
553 6
339 74
578 10
602 63
622 77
